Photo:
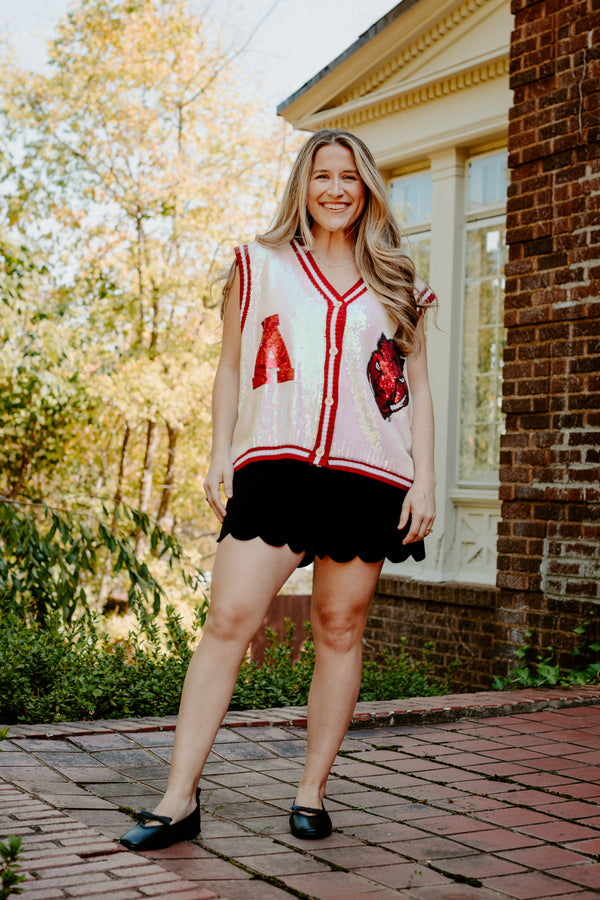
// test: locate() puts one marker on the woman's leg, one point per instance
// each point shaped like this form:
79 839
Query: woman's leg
246 577
342 594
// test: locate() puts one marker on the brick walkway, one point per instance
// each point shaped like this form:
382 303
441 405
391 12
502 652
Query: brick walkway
469 797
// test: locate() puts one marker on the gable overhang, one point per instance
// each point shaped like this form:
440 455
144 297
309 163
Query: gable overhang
335 74
392 68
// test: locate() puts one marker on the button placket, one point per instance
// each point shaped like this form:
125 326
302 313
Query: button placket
335 329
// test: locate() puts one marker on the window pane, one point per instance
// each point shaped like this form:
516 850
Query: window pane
411 199
487 182
483 342
419 253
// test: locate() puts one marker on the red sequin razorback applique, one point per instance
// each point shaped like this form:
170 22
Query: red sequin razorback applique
386 375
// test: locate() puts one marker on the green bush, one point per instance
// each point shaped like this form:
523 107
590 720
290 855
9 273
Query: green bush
9 865
49 557
399 676
279 681
59 672
544 670
72 671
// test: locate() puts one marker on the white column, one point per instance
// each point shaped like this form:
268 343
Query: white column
443 351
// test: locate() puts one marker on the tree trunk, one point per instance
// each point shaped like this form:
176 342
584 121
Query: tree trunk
105 584
22 474
146 480
173 432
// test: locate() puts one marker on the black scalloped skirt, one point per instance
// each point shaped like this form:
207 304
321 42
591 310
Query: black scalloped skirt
321 512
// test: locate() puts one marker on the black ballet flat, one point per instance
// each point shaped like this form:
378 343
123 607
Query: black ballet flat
157 837
309 824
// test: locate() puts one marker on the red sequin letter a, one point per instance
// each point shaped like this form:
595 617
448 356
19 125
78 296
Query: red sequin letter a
272 355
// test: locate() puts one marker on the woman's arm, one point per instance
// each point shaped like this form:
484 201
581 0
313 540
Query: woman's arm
225 406
419 502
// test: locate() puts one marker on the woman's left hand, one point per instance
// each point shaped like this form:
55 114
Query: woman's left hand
419 505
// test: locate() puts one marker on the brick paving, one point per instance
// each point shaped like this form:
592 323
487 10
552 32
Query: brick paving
467 797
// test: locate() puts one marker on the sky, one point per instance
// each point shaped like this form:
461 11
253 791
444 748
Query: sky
294 42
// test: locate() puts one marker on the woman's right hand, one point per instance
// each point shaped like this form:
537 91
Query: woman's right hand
225 405
220 472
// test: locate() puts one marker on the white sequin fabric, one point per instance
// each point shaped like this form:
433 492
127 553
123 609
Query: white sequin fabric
320 378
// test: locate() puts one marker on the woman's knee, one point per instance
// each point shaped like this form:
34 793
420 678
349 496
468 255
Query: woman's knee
229 624
338 632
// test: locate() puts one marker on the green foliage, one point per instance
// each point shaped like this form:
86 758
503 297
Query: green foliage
399 676
9 856
42 395
279 681
73 671
58 671
129 165
18 267
585 669
9 876
544 670
48 556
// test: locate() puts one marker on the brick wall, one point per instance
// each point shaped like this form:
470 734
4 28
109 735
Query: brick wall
458 619
549 536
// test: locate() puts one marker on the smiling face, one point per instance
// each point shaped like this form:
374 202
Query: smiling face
336 192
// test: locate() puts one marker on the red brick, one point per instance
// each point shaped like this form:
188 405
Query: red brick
560 832
178 892
528 886
545 857
496 839
587 876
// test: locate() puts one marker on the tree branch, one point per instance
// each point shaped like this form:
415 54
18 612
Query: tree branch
229 59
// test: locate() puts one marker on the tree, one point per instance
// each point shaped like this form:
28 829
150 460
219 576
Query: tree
139 160
41 395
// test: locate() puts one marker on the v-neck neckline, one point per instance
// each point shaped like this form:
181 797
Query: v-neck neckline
318 278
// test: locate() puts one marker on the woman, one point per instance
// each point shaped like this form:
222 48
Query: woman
323 445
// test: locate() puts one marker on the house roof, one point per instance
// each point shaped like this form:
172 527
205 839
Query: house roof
363 39
403 84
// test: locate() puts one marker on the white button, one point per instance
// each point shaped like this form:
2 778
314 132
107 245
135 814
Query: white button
329 401
337 303
319 452
333 351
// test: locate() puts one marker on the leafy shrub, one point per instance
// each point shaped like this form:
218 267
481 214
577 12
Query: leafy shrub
47 556
279 681
73 671
399 676
544 670
58 672
9 877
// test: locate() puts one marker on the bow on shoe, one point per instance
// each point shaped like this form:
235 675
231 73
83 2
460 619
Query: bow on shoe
157 837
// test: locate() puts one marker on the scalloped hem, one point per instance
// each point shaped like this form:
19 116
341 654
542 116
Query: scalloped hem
416 551
272 542
318 512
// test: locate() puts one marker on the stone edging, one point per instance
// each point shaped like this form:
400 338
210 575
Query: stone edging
411 711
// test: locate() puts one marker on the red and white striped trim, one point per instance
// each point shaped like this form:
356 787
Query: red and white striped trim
336 322
243 260
309 264
337 305
264 454
377 472
425 298
257 454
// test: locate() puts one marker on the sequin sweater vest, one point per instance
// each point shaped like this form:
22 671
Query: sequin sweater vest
320 377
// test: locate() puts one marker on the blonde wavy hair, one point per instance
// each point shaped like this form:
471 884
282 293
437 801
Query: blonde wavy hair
385 268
